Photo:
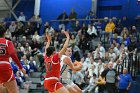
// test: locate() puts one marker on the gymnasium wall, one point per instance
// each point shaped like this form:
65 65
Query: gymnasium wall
51 9
26 6
118 8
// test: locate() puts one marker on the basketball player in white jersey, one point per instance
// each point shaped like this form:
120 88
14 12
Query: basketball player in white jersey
66 64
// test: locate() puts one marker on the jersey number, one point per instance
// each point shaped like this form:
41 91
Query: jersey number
49 66
2 51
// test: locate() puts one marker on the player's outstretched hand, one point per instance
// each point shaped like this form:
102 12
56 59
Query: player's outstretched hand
66 33
48 36
23 71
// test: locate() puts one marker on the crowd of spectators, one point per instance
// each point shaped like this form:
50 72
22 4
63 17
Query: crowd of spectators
123 42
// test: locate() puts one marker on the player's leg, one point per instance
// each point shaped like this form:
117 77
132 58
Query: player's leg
59 88
1 88
11 86
77 88
71 89
62 90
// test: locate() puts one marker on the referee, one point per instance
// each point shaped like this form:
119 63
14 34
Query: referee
110 75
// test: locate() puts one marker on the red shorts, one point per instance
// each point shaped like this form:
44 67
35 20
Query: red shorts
52 85
6 75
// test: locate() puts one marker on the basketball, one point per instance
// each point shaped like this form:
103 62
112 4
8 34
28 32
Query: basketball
76 63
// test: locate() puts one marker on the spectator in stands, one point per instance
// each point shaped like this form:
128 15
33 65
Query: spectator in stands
19 79
27 66
110 27
116 39
125 81
76 52
112 54
84 29
48 28
101 49
19 53
92 32
22 17
126 40
72 40
25 63
124 58
133 45
39 24
99 27
119 66
36 37
77 38
90 16
23 40
62 24
92 84
135 32
59 36
12 28
115 49
14 66
119 27
86 62
73 14
32 64
77 27
84 44
78 78
20 27
101 82
28 47
8 34
21 47
29 30
124 31
56 44
106 58
98 54
36 44
92 65
99 67
110 74
32 19
123 47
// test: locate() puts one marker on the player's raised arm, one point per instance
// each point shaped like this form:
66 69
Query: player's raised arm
48 41
62 51
14 56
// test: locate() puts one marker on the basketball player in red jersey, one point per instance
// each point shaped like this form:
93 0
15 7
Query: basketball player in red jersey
52 83
7 50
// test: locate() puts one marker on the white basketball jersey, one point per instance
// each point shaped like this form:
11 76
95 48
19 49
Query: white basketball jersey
64 68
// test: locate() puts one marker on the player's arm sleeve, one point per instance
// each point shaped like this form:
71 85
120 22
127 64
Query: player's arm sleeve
13 54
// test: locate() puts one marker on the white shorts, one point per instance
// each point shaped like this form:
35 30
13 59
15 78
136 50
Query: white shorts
67 82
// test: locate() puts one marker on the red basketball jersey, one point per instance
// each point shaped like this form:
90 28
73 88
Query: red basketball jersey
7 50
52 66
